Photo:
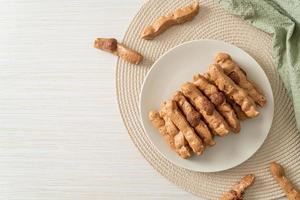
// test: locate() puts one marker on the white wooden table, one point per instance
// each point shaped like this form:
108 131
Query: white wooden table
61 134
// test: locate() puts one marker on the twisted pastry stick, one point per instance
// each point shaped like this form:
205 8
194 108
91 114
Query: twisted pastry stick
232 70
175 140
170 109
278 173
215 121
237 109
234 92
112 46
181 146
194 118
219 100
237 191
179 16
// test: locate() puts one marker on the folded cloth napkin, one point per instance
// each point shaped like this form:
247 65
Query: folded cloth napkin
281 19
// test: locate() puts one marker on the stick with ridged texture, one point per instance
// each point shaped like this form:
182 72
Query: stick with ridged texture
175 141
112 46
161 24
170 109
239 95
237 191
214 119
219 100
181 145
278 173
239 76
194 118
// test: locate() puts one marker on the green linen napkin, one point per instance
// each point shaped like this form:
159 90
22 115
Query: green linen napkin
281 19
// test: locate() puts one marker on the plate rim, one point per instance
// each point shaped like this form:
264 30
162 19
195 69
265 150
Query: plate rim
142 89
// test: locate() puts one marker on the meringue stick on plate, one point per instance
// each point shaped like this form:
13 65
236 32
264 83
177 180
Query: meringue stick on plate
194 118
232 70
170 109
219 100
234 92
215 121
175 141
181 146
237 109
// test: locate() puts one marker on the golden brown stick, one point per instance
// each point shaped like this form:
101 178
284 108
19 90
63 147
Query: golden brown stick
181 146
159 124
237 191
174 139
170 109
232 70
215 121
237 109
219 100
179 16
111 45
234 92
171 128
194 118
279 175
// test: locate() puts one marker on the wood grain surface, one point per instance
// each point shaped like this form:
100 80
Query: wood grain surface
61 134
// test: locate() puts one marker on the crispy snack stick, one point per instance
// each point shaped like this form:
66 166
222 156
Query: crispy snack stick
234 92
111 45
161 24
159 123
278 173
181 146
170 109
237 191
219 100
215 121
237 109
175 140
232 70
194 118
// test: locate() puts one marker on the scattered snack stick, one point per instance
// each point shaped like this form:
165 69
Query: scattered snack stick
111 45
239 76
161 24
170 109
176 142
214 119
278 173
219 100
237 191
234 92
194 118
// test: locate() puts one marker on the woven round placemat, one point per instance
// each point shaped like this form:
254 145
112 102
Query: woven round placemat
213 22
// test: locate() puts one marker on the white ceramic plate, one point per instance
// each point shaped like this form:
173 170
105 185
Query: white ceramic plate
179 65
